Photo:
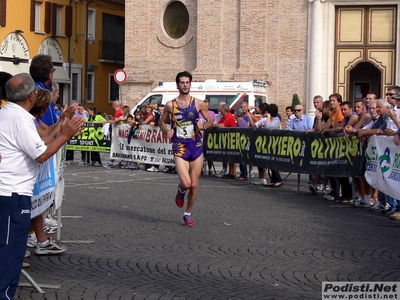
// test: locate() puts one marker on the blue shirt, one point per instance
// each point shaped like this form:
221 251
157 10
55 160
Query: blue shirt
50 117
303 124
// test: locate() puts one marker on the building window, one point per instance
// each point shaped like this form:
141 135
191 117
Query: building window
59 10
176 19
112 44
91 30
38 21
114 89
75 87
90 88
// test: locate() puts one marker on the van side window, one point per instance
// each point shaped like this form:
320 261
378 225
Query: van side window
152 99
215 99
259 99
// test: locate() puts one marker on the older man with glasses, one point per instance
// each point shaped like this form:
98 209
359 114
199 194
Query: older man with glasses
301 121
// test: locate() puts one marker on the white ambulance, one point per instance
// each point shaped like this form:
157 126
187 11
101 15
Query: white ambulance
254 92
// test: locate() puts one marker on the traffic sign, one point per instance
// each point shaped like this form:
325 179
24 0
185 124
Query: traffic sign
120 76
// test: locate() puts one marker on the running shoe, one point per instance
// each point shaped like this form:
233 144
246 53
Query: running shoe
188 221
32 241
180 198
313 189
49 247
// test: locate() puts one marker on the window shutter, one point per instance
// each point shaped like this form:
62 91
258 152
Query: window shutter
33 14
68 20
3 12
53 18
47 17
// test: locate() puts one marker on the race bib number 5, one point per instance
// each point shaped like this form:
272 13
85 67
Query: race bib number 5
185 132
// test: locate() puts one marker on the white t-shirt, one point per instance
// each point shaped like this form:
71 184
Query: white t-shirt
20 145
390 123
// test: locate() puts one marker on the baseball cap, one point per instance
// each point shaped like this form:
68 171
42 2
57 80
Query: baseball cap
396 96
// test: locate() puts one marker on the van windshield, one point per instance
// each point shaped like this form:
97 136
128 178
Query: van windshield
152 99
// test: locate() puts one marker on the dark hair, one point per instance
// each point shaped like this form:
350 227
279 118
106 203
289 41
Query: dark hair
41 67
272 109
129 116
183 74
94 109
289 107
346 103
362 102
337 96
263 107
326 104
4 77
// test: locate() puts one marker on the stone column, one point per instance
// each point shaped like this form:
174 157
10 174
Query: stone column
316 58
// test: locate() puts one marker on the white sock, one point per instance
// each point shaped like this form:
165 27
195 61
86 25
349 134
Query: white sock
186 214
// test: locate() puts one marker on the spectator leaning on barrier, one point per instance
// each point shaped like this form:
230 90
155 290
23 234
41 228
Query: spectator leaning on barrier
229 121
370 97
321 117
21 145
241 123
335 119
290 116
211 172
301 121
271 121
218 118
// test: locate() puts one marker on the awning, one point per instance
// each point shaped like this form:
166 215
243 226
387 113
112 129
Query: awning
61 75
9 67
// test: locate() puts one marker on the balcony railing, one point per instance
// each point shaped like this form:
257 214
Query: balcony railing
112 51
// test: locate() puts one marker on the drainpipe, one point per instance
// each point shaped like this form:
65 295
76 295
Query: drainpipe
86 50
69 62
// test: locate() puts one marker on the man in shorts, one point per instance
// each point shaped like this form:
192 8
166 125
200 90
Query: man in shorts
186 138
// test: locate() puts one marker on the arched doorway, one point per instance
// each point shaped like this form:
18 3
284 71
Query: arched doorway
364 78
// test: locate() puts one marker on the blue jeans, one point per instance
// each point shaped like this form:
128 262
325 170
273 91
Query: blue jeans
243 170
15 218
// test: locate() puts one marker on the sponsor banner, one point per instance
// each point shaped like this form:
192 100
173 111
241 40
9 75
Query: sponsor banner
383 165
361 290
147 144
43 190
60 185
91 139
286 150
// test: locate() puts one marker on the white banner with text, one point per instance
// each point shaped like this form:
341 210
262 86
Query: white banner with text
146 144
383 165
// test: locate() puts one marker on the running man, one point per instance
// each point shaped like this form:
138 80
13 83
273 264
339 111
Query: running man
186 140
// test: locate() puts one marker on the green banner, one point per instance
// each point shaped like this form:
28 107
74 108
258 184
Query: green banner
92 139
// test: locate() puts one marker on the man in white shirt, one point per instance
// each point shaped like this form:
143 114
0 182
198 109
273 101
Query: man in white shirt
22 150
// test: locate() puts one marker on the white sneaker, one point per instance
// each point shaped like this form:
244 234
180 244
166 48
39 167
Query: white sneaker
251 174
32 241
82 163
97 164
49 247
260 181
364 202
329 197
50 222
222 173
152 169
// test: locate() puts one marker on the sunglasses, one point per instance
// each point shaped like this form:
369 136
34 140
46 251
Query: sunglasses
390 94
298 110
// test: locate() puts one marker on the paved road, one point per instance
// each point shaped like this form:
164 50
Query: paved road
249 242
